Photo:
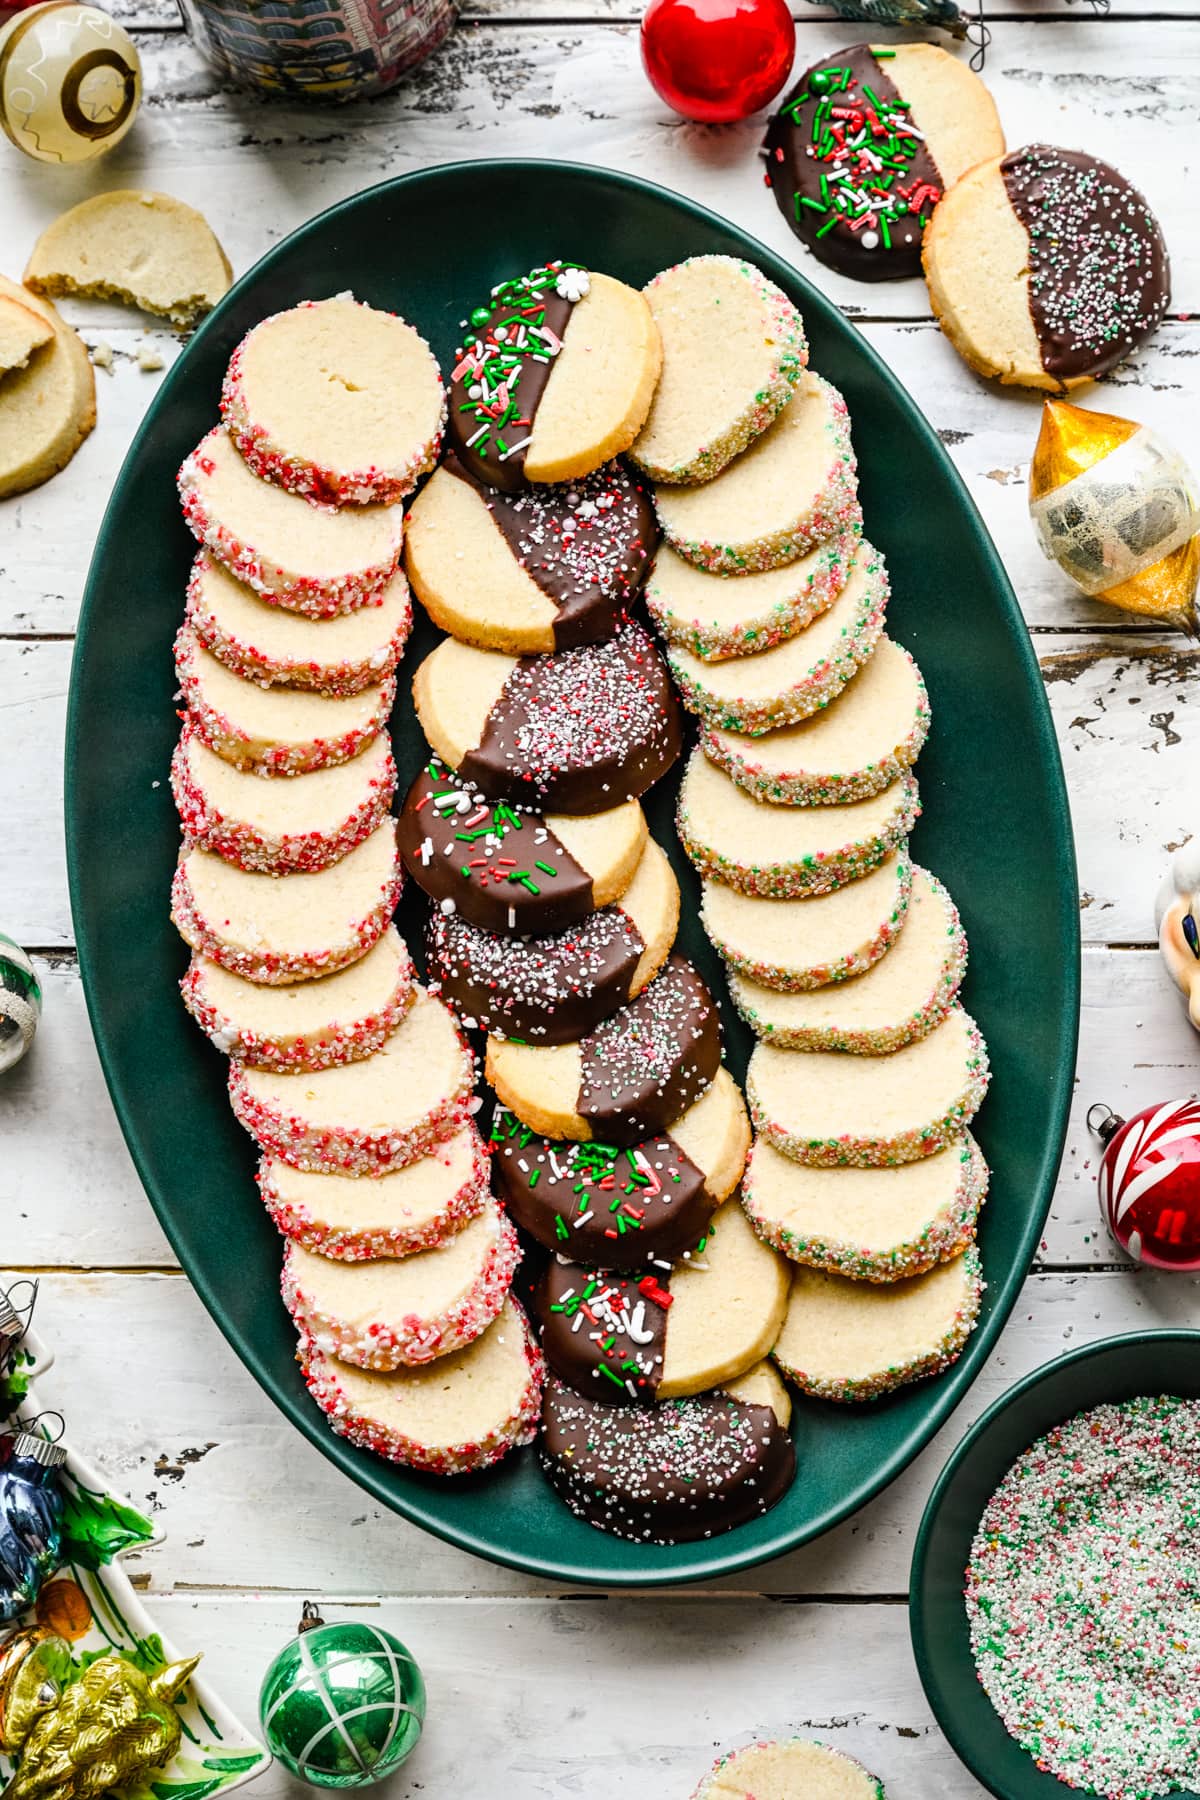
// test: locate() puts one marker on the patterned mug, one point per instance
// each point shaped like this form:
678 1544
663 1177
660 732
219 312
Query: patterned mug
317 49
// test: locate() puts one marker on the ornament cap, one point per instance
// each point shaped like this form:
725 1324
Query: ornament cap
11 1323
35 1448
1107 1126
310 1618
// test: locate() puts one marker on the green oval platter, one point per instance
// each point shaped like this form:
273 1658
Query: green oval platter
996 828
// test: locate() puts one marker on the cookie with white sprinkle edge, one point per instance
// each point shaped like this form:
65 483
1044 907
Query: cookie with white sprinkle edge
720 315
856 1340
827 1108
456 1416
868 1224
788 1767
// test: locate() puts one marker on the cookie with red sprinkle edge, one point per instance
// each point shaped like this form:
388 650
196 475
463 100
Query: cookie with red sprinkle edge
796 1767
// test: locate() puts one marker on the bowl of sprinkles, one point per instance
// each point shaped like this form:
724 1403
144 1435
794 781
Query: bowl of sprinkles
1055 1593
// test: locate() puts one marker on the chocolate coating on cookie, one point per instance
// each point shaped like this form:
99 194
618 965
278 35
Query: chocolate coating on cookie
1099 276
849 170
647 1063
664 1474
603 1332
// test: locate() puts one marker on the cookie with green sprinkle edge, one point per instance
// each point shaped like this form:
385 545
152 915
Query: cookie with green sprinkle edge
793 1766
695 427
868 1224
852 1341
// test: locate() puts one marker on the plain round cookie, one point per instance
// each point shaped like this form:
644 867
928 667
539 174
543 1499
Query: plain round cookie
695 426
22 331
359 1218
276 929
795 486
549 568
827 1109
307 1024
859 744
801 675
788 1769
129 244
311 558
795 945
337 401
762 1386
787 852
868 1224
855 1340
1046 268
266 643
456 1416
49 405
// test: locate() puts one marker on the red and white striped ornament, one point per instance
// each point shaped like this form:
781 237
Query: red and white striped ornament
1150 1182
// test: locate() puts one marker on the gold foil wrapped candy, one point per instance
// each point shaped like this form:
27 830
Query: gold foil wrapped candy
1118 510
70 82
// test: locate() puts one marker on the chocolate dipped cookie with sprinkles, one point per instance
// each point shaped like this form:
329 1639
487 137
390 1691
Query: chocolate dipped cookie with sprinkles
866 144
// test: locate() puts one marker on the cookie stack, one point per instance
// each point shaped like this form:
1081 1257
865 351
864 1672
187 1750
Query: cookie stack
352 1078
844 957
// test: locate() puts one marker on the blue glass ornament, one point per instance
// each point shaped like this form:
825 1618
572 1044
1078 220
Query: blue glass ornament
31 1516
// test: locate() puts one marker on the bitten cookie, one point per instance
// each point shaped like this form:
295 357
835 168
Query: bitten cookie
310 558
789 1769
369 1116
147 249
903 997
868 1224
551 990
455 1416
404 1311
549 568
872 1111
1046 267
509 870
626 1209
864 147
22 331
800 676
627 1078
786 852
795 945
855 1340
695 427
553 378
579 731
337 401
849 750
274 929
795 486
308 1024
49 405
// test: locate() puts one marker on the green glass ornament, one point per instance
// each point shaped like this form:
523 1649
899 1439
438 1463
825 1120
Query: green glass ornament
341 1705
20 1003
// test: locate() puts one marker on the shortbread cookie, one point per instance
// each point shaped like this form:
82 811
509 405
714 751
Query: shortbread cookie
149 250
695 426
309 558
551 990
358 1218
626 1209
404 1311
549 568
786 852
762 1386
855 1340
264 642
665 1474
629 1076
898 1001
795 486
636 1338
369 1116
1046 267
275 730
872 1111
337 401
789 1769
868 1224
280 824
22 331
864 147
799 676
860 744
455 1416
49 405
794 945
512 871
579 731
276 929
553 378
715 616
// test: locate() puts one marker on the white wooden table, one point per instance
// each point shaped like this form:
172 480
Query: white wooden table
534 1691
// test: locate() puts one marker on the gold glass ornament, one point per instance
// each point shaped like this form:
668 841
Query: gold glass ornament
1118 510
70 82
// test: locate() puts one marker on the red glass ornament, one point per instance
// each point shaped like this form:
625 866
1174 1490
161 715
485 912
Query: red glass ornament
1150 1182
717 60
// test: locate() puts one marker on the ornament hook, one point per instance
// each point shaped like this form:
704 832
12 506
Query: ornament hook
1106 1127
